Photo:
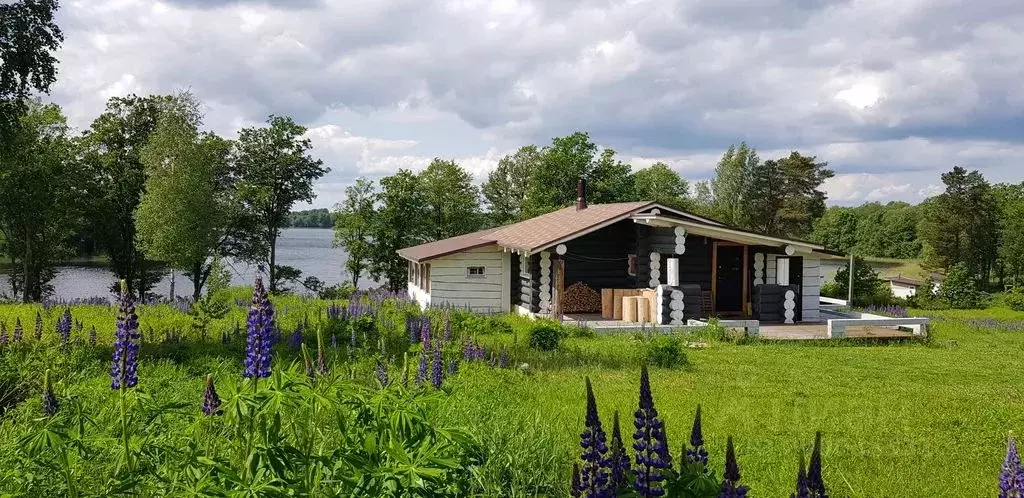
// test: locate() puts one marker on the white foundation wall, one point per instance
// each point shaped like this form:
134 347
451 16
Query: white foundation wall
451 285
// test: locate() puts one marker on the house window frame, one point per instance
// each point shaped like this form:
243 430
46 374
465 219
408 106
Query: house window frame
482 273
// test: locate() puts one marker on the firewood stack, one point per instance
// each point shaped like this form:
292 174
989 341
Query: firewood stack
579 298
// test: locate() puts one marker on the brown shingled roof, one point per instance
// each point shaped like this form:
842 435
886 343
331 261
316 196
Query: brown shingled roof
536 233
528 235
444 247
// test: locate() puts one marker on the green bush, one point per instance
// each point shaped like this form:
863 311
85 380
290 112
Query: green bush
546 336
666 351
959 289
1015 299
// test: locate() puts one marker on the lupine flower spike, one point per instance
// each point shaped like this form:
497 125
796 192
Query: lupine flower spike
307 362
50 403
321 360
38 331
18 331
382 375
295 340
696 453
652 454
211 402
1011 479
594 474
815 483
64 326
126 346
802 491
618 460
421 372
437 368
259 329
92 335
731 487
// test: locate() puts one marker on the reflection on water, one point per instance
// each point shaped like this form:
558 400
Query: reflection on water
308 249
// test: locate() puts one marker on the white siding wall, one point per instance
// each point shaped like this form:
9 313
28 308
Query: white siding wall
901 290
450 284
419 295
811 289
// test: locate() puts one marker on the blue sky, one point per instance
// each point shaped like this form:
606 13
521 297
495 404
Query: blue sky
891 94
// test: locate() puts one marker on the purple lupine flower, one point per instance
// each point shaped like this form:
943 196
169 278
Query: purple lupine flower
18 331
295 340
382 375
64 326
211 402
126 347
618 460
412 326
92 335
421 373
594 474
802 490
815 483
50 403
437 369
652 454
577 488
696 453
321 362
260 325
731 487
334 311
447 327
1011 479
453 367
468 352
38 332
503 360
425 333
307 363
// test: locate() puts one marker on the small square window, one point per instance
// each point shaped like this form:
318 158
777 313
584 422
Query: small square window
475 272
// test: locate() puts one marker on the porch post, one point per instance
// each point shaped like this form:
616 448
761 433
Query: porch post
545 282
655 270
758 268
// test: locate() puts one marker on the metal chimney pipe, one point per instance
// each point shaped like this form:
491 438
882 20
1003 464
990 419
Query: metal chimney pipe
581 194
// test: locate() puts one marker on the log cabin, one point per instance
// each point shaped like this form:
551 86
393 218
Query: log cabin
683 265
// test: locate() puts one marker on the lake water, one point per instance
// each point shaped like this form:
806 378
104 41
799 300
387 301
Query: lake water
308 249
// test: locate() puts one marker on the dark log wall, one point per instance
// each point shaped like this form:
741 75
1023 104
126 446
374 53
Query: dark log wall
599 259
515 282
768 302
695 263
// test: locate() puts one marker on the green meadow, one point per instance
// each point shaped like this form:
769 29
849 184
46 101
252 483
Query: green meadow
919 418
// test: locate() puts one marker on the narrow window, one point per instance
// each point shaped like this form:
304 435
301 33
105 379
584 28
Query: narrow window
426 277
632 265
782 271
475 272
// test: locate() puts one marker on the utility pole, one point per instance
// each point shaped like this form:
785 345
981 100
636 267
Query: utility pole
849 288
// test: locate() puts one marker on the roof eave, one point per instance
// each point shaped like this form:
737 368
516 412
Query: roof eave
725 231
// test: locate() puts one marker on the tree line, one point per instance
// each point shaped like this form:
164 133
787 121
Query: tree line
780 196
310 218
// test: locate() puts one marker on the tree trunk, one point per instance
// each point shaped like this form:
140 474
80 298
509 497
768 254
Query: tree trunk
197 282
273 261
26 268
172 285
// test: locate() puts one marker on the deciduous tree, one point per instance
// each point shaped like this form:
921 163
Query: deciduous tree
660 183
353 226
506 186
274 171
453 201
400 222
28 37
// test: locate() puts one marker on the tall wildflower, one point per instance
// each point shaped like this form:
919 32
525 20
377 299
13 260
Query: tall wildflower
576 489
38 331
594 473
453 367
421 372
696 453
260 327
437 368
92 335
618 460
503 359
802 489
1011 479
126 347
3 333
50 403
18 331
295 340
815 483
211 402
447 327
652 453
307 362
731 487
321 360
382 375
64 326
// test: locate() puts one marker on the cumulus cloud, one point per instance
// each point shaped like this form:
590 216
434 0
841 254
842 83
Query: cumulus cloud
891 94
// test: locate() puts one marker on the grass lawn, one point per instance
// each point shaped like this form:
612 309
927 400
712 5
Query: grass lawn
899 420
907 419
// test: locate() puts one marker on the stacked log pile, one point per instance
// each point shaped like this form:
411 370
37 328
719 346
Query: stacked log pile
580 298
